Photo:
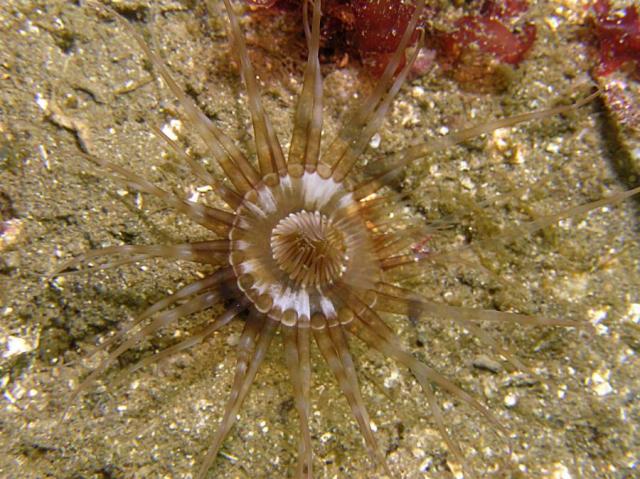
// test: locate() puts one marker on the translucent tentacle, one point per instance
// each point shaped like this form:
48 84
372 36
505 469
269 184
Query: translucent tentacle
229 196
234 164
194 305
207 252
438 417
411 260
187 291
296 344
392 243
195 338
425 376
547 220
270 156
253 345
486 338
307 126
352 131
213 219
369 327
197 287
393 299
64 270
388 343
354 150
395 166
408 266
333 346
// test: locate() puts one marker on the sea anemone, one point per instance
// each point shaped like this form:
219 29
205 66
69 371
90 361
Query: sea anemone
316 245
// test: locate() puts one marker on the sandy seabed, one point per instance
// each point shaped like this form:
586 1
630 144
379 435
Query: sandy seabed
70 78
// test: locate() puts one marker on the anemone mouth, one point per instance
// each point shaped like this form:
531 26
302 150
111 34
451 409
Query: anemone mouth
294 241
309 248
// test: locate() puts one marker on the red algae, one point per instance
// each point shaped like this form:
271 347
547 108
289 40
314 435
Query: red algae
360 29
617 35
473 52
489 34
377 30
494 42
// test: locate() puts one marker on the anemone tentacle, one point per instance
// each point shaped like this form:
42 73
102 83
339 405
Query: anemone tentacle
254 342
355 133
270 156
297 355
226 194
235 166
304 151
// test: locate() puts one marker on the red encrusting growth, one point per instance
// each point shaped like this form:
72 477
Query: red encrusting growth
617 37
471 51
479 50
369 31
488 33
377 29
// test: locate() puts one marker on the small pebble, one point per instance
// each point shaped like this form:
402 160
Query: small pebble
487 364
510 400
